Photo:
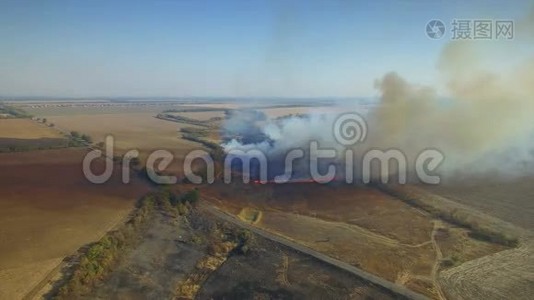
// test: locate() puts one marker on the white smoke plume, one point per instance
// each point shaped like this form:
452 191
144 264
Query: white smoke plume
485 127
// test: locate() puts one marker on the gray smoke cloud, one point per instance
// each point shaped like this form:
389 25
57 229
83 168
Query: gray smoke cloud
484 128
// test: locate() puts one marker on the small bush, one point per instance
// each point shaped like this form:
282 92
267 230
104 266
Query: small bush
243 239
191 197
450 261
87 138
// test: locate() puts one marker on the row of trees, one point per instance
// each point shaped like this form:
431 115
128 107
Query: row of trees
198 135
44 121
479 229
84 137
102 256
14 112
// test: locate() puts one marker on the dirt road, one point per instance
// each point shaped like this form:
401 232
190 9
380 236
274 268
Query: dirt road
395 288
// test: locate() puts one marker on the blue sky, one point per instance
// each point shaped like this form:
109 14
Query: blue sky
223 48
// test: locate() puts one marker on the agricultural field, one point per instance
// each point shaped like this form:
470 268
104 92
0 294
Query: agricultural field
284 111
359 225
60 213
277 112
140 131
220 105
83 108
271 112
503 274
506 274
507 206
201 115
26 129
26 134
509 200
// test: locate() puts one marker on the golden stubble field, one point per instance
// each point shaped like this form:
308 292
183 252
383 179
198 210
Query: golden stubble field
509 200
201 115
507 274
48 210
131 130
26 129
18 134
